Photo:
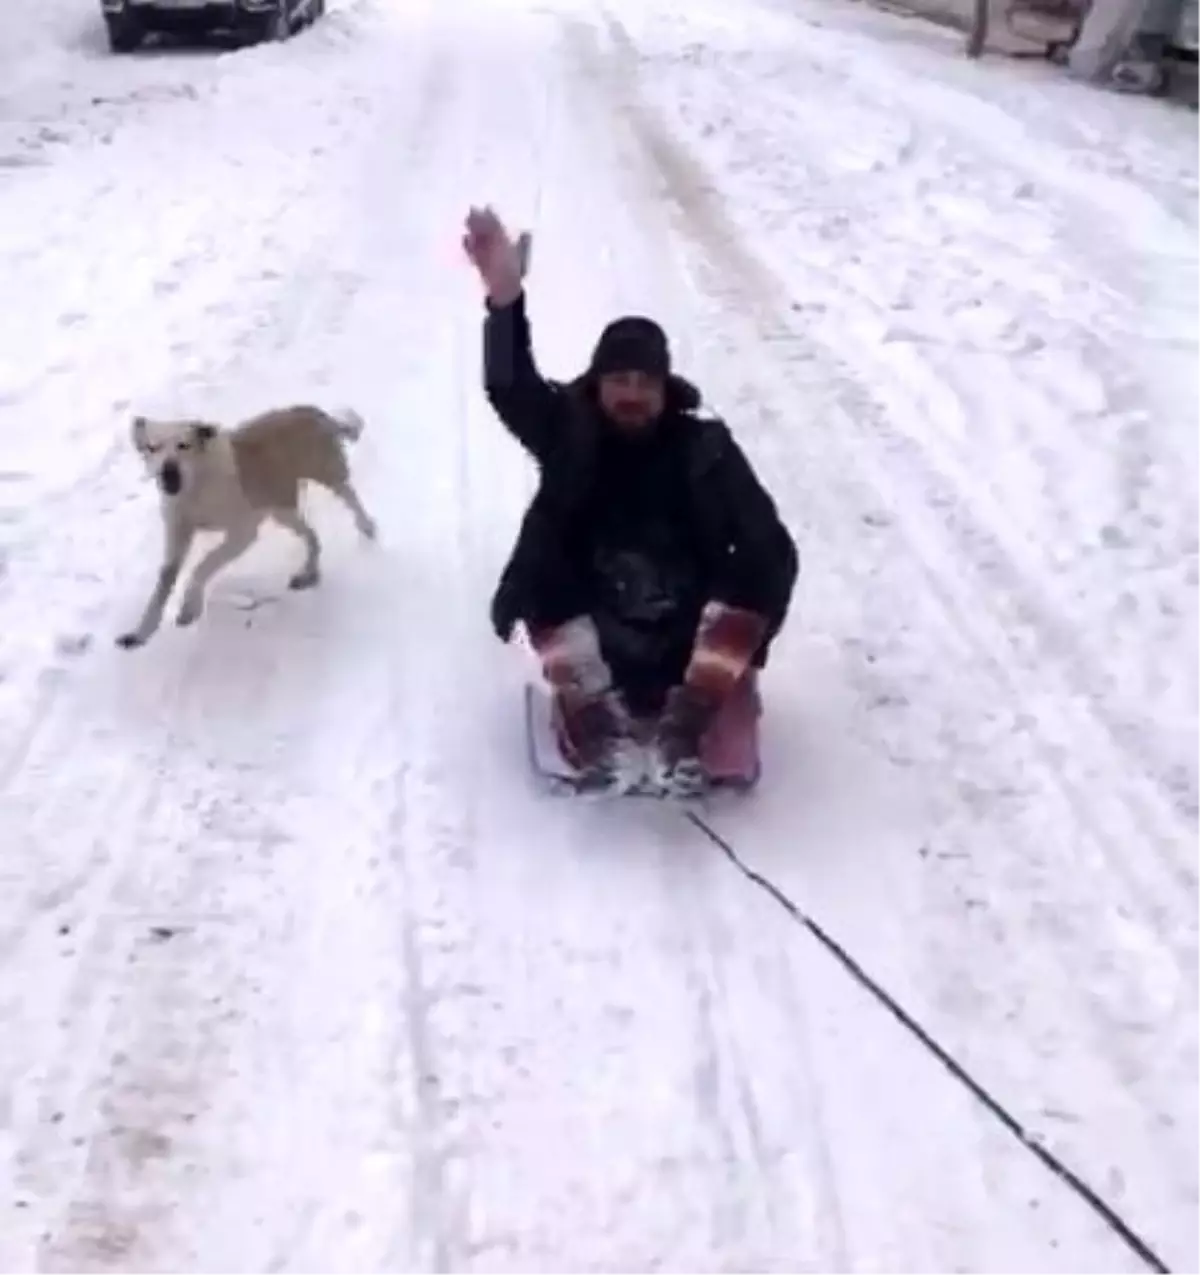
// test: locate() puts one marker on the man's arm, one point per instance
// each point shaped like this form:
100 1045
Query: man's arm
761 571
531 408
749 600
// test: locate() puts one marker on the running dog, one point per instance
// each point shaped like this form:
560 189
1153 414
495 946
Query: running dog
230 481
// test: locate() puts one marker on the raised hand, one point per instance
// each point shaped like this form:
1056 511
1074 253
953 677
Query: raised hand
501 261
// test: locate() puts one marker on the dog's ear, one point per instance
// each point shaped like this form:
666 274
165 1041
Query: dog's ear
137 432
204 434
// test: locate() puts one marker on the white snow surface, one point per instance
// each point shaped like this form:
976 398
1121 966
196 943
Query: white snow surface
299 971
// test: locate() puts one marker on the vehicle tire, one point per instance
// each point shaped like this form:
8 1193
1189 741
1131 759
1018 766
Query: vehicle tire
274 26
277 25
124 33
978 34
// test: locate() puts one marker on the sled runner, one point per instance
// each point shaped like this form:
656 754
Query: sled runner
729 752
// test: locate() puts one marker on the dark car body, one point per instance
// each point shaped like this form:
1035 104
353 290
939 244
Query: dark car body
129 22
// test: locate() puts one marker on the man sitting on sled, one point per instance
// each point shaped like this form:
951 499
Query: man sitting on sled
652 571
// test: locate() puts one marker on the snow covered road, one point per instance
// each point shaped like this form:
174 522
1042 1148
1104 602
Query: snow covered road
297 970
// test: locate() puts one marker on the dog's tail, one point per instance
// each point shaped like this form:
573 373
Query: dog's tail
347 424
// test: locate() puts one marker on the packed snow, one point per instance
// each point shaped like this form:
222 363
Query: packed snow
299 969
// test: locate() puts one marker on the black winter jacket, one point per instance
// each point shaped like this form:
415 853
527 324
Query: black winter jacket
748 558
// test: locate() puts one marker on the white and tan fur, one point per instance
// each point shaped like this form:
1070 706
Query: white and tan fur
230 481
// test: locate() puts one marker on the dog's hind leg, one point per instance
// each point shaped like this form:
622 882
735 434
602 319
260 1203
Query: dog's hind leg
237 540
345 492
179 540
310 573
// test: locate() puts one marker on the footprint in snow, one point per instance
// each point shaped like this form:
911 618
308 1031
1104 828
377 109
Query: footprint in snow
72 645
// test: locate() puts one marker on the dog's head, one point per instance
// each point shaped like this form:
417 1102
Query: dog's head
172 450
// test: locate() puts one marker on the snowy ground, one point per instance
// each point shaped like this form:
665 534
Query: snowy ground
297 970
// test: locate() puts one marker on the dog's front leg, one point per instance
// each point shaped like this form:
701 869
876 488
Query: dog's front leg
237 540
363 520
179 541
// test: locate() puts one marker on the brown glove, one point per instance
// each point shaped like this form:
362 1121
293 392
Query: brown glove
726 642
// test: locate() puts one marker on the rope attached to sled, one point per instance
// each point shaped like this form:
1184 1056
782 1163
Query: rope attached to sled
1100 1207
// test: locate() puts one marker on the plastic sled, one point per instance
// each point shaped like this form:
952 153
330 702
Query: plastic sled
729 751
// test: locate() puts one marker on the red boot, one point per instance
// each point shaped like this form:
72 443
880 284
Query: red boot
726 642
594 726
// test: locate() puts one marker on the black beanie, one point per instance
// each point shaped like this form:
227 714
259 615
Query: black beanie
632 344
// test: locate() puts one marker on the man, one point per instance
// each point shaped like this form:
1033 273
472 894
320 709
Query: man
652 571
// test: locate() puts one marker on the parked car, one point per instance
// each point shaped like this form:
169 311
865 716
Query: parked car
130 21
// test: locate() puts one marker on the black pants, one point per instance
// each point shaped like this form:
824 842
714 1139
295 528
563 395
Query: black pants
646 662
555 589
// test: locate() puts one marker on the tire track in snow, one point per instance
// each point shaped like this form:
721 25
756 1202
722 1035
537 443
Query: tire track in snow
563 1041
187 1024
1022 312
975 516
1105 1211
1022 113
836 1195
153 1091
1113 1005
531 997
1090 355
431 833
734 1089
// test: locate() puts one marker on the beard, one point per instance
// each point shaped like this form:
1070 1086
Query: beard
632 414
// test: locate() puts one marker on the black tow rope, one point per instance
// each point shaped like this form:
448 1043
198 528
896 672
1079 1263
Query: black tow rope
1111 1218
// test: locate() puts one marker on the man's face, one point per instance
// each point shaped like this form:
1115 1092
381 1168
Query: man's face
631 400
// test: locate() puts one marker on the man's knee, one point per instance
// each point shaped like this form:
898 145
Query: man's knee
727 642
571 656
